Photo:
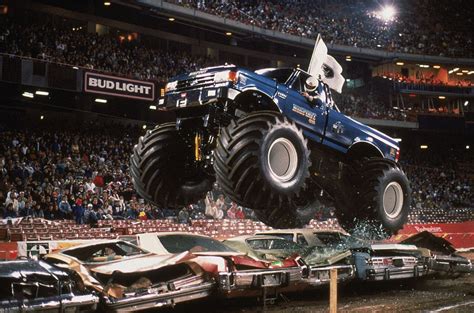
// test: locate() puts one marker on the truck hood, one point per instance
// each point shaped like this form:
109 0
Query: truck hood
374 135
206 70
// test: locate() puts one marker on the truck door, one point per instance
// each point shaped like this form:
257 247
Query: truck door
311 119
340 131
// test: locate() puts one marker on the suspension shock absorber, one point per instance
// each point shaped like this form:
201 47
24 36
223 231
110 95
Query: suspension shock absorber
197 147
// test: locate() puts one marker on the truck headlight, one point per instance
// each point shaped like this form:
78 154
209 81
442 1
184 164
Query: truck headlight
171 86
226 76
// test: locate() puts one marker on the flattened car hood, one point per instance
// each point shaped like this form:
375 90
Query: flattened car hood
224 254
142 264
429 241
23 270
327 259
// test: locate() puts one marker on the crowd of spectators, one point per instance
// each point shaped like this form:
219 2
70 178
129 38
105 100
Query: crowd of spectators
57 41
429 81
366 105
441 189
81 173
441 28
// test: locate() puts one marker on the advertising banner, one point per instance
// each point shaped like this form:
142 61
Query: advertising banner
118 86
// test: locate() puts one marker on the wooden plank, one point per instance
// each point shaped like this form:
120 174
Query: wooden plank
333 291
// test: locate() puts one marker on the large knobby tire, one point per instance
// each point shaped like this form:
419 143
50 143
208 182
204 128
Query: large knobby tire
262 162
381 201
158 170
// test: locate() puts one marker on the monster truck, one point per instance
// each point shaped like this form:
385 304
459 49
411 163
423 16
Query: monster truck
269 149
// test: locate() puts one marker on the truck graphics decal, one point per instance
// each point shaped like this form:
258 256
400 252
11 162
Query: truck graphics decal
311 116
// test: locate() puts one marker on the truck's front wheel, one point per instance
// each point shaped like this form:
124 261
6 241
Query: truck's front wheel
262 162
159 172
382 198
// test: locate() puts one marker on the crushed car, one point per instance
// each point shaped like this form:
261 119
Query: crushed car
440 255
318 261
302 236
237 274
265 247
388 262
129 278
30 285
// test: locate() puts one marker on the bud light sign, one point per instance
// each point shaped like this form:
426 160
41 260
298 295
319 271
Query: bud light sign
119 86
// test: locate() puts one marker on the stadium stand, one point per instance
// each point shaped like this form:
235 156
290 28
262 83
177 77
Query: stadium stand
69 179
419 27
51 39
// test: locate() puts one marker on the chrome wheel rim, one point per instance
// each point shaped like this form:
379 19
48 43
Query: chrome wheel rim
282 160
393 199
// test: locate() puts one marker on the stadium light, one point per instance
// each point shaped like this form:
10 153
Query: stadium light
436 66
387 13
400 63
98 100
442 97
152 107
465 71
75 67
424 65
42 93
455 69
28 95
144 126
42 117
423 147
466 103
398 139
171 19
467 147
107 3
460 74
471 72
228 34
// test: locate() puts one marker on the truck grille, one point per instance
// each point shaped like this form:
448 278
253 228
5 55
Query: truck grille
202 80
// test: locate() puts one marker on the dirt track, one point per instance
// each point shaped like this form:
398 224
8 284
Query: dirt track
425 295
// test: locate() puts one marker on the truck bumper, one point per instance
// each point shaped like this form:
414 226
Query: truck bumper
321 275
389 273
196 97
159 300
449 264
64 303
242 283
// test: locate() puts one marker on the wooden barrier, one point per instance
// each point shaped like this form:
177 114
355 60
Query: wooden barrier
333 291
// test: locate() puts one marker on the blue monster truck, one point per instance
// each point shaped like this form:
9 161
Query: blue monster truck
269 149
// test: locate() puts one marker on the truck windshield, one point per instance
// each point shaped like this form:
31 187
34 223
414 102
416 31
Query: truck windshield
280 75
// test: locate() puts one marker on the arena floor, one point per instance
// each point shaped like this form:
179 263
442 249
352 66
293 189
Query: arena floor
425 295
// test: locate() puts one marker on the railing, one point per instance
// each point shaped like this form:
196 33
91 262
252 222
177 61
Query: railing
458 90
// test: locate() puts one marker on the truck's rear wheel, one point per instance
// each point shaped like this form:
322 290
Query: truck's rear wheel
159 173
262 162
382 198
